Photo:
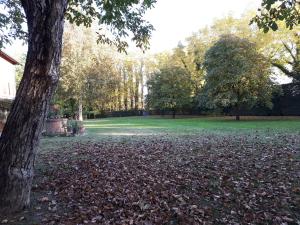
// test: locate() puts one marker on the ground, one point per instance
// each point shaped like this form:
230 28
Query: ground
164 171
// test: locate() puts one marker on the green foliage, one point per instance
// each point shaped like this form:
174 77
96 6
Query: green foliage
88 72
20 69
181 58
12 19
288 59
279 48
5 104
120 17
170 88
237 75
97 75
74 126
272 11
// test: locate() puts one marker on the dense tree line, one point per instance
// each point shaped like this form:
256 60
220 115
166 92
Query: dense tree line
232 66
97 79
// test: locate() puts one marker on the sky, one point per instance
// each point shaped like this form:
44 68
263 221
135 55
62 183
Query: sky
174 20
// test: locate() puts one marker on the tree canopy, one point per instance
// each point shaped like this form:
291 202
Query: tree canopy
118 19
272 11
237 75
170 89
279 48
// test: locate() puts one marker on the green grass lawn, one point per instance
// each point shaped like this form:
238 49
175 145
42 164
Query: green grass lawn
123 129
152 125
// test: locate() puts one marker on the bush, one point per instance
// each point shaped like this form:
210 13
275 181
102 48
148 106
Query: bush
75 127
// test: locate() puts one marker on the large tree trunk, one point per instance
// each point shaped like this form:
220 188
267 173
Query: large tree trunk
21 134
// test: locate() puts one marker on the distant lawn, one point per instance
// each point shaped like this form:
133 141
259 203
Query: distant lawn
132 128
158 125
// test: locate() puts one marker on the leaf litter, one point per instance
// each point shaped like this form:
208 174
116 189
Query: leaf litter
208 179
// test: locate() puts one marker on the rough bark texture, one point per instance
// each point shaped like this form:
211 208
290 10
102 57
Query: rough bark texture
21 133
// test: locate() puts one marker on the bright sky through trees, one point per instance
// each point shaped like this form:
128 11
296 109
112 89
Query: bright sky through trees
174 20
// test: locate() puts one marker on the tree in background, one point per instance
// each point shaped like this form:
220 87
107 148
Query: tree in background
77 58
88 71
272 11
170 89
45 23
288 59
101 83
270 16
130 93
180 57
279 47
237 76
98 78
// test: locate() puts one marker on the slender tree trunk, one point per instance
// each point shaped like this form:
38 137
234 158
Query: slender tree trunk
131 89
174 114
132 94
80 118
119 100
120 91
21 134
142 92
125 91
132 101
118 97
136 95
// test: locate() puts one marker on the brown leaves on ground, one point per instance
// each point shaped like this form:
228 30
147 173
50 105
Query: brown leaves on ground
194 180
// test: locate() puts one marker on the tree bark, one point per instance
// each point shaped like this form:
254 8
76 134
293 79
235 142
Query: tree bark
142 84
21 134
125 90
80 117
136 93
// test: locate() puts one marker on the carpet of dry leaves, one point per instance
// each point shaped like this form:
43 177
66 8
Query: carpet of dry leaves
209 179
